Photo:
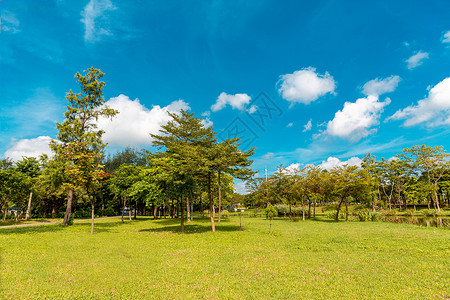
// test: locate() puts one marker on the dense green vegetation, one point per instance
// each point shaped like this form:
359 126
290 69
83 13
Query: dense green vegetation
154 259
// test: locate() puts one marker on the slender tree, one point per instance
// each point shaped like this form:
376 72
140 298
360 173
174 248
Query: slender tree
79 140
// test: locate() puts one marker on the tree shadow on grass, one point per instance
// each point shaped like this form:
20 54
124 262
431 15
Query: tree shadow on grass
192 229
31 229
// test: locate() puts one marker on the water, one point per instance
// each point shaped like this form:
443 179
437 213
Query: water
427 221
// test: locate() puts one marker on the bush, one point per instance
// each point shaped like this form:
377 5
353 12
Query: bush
225 213
109 212
409 212
430 212
281 208
252 215
364 215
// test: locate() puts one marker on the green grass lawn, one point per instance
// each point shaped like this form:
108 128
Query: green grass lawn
153 259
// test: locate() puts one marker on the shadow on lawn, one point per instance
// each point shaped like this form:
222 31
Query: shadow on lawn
31 229
192 228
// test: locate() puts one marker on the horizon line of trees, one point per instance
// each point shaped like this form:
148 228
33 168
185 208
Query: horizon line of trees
418 175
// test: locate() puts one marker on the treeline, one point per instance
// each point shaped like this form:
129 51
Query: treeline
188 166
418 175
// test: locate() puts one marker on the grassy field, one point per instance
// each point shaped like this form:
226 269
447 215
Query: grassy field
153 259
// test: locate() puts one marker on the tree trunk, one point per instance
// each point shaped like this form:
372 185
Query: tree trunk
129 212
220 197
338 210
314 210
123 209
290 211
27 215
92 215
346 209
103 202
135 209
211 213
5 211
437 201
68 209
182 213
53 211
303 209
309 209
155 208
188 210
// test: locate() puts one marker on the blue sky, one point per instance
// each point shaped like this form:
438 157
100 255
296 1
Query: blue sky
343 77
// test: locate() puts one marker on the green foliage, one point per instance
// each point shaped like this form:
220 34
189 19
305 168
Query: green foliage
270 212
109 212
335 257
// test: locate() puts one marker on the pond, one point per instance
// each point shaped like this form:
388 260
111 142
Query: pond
427 221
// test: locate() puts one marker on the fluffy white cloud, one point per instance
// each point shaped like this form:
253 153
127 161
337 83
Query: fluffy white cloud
446 37
93 14
417 59
241 188
435 109
29 147
253 109
9 22
333 162
268 155
133 125
305 86
290 125
237 101
378 86
292 168
308 126
356 119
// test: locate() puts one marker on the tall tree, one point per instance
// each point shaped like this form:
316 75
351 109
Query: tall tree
30 167
79 140
188 143
430 161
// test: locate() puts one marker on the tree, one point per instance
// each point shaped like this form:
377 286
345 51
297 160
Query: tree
270 212
30 167
80 142
430 161
188 144
227 158
13 186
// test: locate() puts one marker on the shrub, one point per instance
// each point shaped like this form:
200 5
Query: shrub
109 212
430 212
225 213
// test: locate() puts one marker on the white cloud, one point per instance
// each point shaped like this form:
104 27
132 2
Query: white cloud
435 109
333 162
253 109
305 86
355 120
446 37
378 86
290 125
292 168
94 19
268 155
133 125
207 122
308 126
241 188
29 147
237 101
417 59
9 22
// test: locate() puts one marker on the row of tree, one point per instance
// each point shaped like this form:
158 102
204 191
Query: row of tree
418 175
188 163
